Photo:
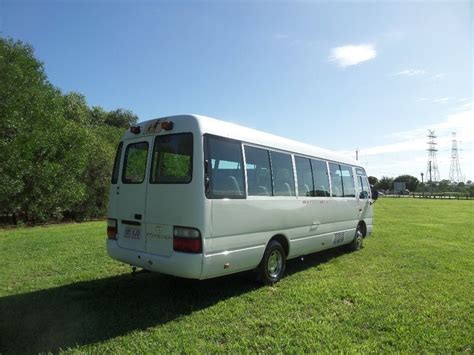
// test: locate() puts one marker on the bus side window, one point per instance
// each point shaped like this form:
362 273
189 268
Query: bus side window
226 172
336 180
282 172
320 177
347 181
304 176
259 178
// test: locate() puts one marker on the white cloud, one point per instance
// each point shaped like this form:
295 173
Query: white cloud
410 72
441 100
419 72
352 54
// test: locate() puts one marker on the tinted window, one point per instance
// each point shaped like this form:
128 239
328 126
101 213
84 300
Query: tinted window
172 159
360 171
347 181
364 187
259 178
336 180
320 176
135 163
282 169
304 177
226 174
116 168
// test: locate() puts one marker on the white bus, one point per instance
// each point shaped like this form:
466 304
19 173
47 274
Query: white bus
196 197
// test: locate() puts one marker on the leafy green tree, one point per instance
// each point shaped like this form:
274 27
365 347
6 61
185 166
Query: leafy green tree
34 174
444 186
385 183
471 190
460 187
97 115
373 180
411 181
100 152
75 108
121 118
55 152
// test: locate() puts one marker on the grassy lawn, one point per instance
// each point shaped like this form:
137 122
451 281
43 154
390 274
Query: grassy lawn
411 289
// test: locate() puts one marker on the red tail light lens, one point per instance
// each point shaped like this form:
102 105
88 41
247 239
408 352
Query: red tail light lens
112 229
187 240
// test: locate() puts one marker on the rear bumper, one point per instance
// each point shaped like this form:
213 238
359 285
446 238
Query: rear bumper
179 264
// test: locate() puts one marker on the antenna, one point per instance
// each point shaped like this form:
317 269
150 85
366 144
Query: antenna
432 171
455 169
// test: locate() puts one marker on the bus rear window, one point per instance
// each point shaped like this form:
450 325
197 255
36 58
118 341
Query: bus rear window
134 165
172 159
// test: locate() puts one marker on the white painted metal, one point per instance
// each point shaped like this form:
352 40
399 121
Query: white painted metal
235 232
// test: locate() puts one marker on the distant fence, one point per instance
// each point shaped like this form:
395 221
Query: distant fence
439 195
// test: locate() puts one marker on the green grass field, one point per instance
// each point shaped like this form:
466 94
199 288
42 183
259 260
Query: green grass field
411 289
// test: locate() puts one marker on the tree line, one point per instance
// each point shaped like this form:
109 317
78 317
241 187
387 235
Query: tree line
414 185
56 152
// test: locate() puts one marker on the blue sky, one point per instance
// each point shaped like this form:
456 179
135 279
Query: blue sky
342 75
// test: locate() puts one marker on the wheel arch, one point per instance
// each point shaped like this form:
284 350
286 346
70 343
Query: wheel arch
363 227
283 240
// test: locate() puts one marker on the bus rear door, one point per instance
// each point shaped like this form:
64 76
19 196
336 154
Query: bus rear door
131 190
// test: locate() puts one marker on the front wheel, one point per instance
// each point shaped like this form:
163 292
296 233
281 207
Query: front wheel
358 240
272 266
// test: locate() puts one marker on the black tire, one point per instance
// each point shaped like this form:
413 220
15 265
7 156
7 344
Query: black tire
358 241
273 264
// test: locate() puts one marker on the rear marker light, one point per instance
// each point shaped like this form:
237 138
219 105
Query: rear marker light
135 129
167 125
187 240
112 229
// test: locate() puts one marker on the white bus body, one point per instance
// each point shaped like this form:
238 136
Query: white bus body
196 197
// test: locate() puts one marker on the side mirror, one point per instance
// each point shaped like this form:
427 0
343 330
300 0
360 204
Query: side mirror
363 195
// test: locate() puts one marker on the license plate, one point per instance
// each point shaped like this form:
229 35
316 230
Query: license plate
133 233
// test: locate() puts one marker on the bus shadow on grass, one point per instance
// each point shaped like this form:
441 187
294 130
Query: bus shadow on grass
91 311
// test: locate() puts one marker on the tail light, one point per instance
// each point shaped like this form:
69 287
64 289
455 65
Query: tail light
187 240
112 229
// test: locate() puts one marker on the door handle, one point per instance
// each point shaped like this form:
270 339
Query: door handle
138 216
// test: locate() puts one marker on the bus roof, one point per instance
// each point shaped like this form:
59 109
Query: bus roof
217 127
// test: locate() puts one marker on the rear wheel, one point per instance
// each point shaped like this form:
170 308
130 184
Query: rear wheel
358 240
272 266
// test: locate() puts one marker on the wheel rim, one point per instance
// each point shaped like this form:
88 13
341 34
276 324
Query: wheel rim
274 264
